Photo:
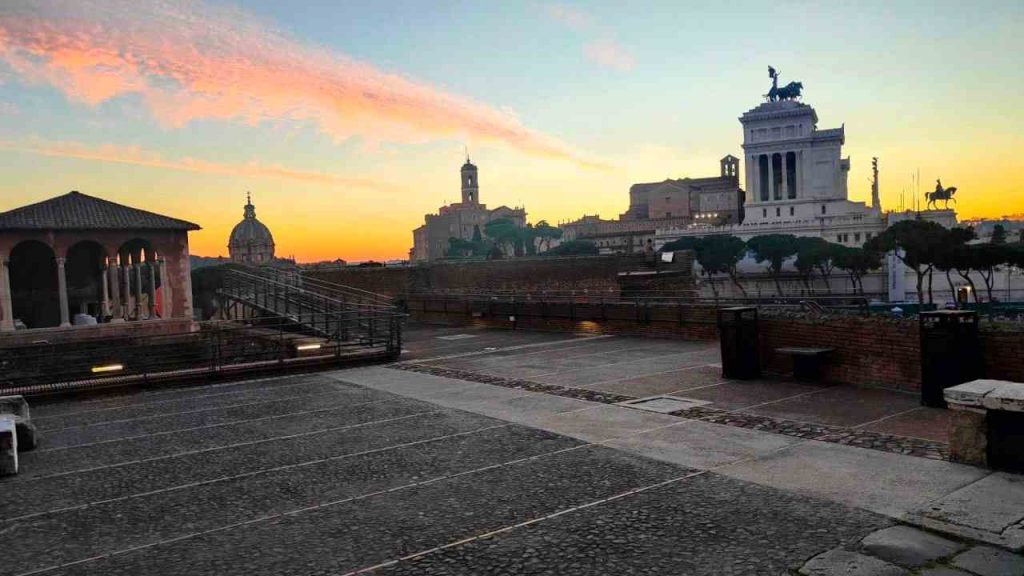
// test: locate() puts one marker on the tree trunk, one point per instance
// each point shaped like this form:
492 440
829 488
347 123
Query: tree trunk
952 289
967 277
920 286
735 280
931 299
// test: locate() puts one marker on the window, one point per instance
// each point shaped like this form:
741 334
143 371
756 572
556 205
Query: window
822 208
764 212
778 211
867 235
839 237
668 214
791 210
856 237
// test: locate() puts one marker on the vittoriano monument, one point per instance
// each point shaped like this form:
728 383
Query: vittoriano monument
944 194
790 91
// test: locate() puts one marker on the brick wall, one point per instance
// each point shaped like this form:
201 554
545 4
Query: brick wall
869 351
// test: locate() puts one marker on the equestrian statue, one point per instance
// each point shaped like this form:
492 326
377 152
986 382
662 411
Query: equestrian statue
790 91
944 194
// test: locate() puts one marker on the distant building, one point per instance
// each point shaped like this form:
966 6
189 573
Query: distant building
796 181
251 241
671 203
459 220
84 261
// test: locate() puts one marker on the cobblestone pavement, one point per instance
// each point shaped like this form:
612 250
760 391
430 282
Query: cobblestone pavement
808 431
307 475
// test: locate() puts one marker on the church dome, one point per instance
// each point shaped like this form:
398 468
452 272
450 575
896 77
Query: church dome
251 241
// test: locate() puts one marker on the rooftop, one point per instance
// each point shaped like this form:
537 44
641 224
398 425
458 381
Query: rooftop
77 211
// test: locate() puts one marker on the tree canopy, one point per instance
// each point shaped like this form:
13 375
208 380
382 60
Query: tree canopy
774 249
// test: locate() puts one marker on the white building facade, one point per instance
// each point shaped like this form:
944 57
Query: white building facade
796 181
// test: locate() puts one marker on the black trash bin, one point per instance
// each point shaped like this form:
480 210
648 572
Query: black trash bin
737 329
949 352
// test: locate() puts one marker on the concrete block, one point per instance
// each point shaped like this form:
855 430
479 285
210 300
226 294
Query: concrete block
987 561
968 435
17 407
8 447
971 393
845 563
1008 397
909 546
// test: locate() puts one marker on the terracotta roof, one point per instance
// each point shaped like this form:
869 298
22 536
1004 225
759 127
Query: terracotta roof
77 211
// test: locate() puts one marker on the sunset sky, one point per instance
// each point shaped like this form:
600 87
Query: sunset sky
347 119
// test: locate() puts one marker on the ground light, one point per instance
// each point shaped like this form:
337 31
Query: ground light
107 368
301 347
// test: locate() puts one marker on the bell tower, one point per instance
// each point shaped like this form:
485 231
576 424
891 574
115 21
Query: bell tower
470 184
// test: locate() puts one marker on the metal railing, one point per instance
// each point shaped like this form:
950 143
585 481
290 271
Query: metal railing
216 348
338 317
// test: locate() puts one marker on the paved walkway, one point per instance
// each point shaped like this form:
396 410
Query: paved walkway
394 471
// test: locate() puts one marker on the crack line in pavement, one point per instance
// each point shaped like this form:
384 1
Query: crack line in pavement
169 400
238 445
208 426
256 473
187 412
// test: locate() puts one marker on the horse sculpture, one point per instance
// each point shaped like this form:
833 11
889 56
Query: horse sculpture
944 194
790 91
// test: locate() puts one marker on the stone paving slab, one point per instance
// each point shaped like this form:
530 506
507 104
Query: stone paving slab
909 546
76 488
702 525
987 561
226 415
352 535
990 509
886 483
603 422
332 415
846 563
171 514
841 406
735 394
701 445
660 383
924 422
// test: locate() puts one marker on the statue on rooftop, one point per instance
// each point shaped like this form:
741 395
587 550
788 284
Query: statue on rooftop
940 193
790 91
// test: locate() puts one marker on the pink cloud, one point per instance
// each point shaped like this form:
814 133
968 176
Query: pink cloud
610 55
604 51
135 156
190 61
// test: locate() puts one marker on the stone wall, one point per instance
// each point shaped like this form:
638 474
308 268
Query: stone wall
594 274
869 351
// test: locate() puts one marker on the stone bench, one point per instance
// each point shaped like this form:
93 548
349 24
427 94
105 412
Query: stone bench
8 446
806 361
17 408
987 423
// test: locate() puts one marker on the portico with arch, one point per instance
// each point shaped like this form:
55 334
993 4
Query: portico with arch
76 261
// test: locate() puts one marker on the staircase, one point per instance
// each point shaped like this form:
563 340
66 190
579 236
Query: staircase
338 314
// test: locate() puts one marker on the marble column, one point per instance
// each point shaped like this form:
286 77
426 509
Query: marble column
151 265
105 306
785 181
6 308
62 292
126 302
137 272
771 177
165 291
114 283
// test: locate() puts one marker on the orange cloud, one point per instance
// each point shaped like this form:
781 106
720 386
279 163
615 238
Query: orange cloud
189 60
136 156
